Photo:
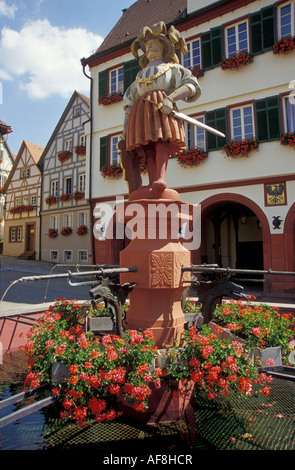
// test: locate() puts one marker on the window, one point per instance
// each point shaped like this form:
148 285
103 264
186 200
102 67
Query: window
68 145
129 71
54 188
211 48
82 218
262 29
83 256
286 20
77 111
268 118
236 38
68 185
242 123
81 182
25 172
218 120
116 80
54 222
15 234
289 115
53 255
68 254
193 57
34 200
68 220
26 200
83 140
114 154
195 136
18 201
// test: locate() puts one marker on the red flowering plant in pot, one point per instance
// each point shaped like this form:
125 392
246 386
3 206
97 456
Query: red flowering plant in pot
112 172
284 45
52 233
196 71
80 150
66 231
78 195
236 61
288 138
191 157
240 148
64 156
82 230
65 197
21 209
99 370
114 97
51 200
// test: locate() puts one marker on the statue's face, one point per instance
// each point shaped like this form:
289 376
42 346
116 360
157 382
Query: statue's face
154 49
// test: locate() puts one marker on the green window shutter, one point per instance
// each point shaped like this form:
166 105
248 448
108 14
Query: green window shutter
211 43
262 29
102 83
268 122
218 120
103 151
131 69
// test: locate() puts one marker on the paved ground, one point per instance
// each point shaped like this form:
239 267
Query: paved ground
32 293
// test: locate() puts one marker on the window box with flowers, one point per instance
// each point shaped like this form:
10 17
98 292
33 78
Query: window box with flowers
82 230
66 231
196 71
240 148
80 150
21 209
65 197
64 156
284 45
114 97
288 138
236 61
77 195
191 157
52 233
51 200
114 171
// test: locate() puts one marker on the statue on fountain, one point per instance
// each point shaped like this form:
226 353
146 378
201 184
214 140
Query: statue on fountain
151 132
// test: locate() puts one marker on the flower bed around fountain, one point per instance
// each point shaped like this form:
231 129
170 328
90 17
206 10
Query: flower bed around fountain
103 373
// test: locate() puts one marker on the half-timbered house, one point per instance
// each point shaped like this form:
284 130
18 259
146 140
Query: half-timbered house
6 162
65 214
23 197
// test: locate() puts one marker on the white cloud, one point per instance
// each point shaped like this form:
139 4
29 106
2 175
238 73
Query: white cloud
45 58
7 10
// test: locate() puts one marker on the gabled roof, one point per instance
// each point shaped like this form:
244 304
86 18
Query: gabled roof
35 152
141 13
62 118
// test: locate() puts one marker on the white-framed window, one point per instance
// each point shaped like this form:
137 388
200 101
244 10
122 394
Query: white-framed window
68 219
54 255
286 20
77 111
68 185
82 218
83 256
34 200
242 122
114 154
116 80
25 172
236 38
54 222
54 188
18 201
68 256
12 234
68 145
195 136
82 140
19 234
26 200
82 182
289 114
193 57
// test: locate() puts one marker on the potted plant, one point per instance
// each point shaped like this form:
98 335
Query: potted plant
78 195
82 230
284 45
64 155
52 233
191 157
236 61
65 197
80 150
112 172
288 138
114 97
51 200
66 231
240 148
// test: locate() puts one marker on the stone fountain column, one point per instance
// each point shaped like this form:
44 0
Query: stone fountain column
159 255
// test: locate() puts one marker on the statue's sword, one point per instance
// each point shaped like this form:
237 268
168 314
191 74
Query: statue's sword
195 122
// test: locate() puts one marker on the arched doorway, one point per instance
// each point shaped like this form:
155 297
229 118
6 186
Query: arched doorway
235 233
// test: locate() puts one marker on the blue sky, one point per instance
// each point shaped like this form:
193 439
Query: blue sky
41 44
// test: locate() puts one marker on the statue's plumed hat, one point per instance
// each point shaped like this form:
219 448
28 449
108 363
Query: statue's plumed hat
171 40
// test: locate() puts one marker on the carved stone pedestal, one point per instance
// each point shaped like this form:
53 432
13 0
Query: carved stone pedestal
157 252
